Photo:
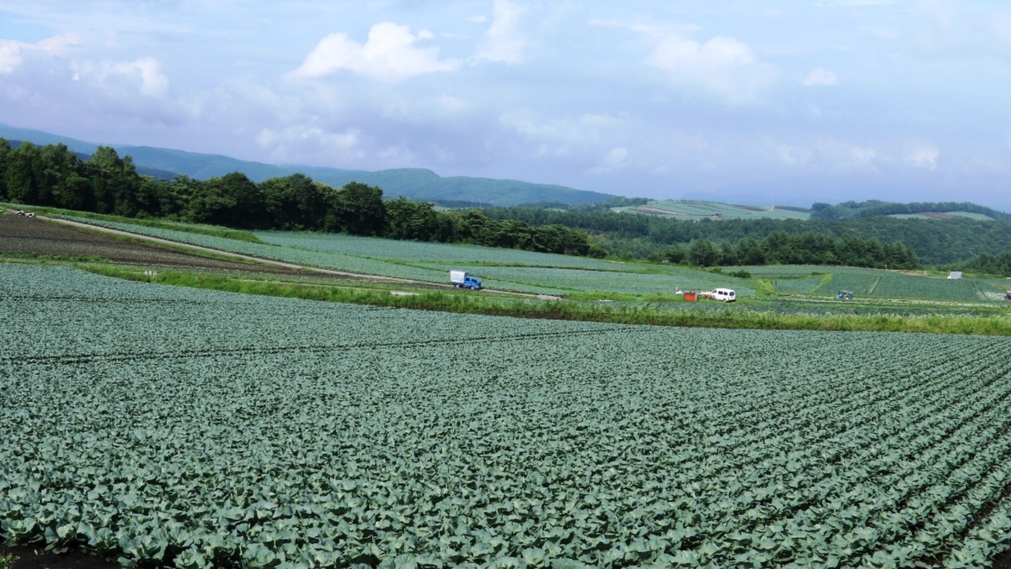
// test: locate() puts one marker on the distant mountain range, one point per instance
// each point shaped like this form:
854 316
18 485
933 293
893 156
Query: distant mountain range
416 183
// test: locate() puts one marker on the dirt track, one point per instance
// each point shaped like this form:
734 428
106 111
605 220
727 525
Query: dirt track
23 236
62 237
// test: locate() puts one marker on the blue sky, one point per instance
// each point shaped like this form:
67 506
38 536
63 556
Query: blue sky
756 102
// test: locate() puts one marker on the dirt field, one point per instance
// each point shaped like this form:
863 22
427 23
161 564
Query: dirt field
23 236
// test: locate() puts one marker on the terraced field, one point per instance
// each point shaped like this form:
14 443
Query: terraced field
194 429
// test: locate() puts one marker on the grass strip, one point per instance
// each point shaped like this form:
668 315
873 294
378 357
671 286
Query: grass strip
498 305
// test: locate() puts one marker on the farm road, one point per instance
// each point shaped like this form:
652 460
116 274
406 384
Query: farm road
259 260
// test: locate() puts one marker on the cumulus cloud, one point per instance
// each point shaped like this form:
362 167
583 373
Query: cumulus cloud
391 53
152 81
12 53
296 142
504 41
143 75
821 76
10 56
721 65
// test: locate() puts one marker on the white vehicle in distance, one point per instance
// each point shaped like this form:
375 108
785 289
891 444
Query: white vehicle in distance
723 294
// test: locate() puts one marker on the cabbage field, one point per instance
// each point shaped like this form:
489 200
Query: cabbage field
193 428
878 283
503 269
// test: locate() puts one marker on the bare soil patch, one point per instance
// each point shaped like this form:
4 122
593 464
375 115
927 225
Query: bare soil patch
24 236
36 557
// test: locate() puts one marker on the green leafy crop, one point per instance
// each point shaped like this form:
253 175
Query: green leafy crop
191 428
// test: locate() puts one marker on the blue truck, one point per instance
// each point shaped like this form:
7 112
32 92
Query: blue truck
461 279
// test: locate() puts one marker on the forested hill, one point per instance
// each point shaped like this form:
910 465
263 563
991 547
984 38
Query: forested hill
934 241
874 208
416 183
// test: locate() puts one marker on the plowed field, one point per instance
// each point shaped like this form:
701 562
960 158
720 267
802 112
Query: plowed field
23 236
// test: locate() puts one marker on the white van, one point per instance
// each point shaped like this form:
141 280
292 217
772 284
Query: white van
724 294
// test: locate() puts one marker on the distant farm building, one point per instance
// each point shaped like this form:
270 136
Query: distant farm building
954 275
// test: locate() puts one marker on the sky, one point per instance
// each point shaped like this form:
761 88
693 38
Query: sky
748 101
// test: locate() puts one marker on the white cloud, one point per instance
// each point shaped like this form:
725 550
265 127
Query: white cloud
721 65
826 154
683 55
12 52
10 56
153 82
586 130
294 143
616 158
390 54
821 76
924 155
503 42
142 75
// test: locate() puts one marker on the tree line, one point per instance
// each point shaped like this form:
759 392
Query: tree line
106 183
781 248
986 263
935 242
872 208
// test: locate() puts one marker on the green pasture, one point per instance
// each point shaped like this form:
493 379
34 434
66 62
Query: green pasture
690 209
878 283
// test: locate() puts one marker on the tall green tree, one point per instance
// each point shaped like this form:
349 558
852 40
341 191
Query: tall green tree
63 173
232 200
296 202
702 253
114 182
360 209
23 163
406 219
